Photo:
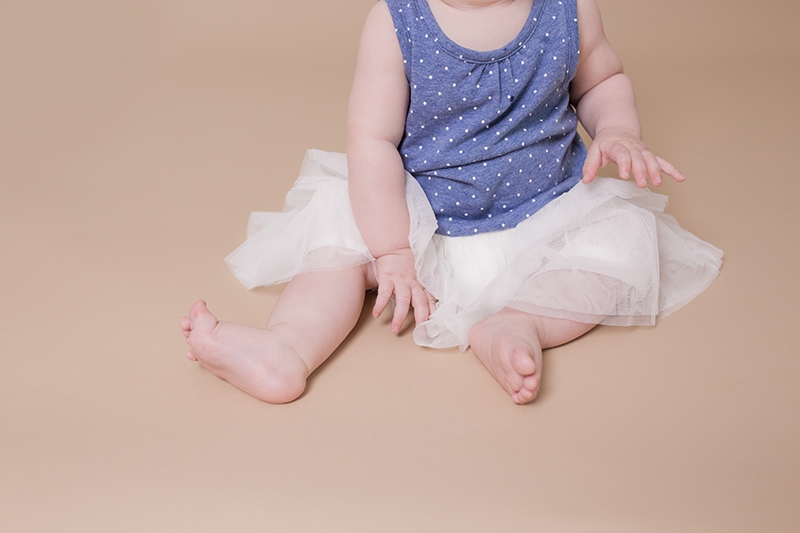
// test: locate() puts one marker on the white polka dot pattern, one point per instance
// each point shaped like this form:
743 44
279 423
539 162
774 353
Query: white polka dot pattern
490 136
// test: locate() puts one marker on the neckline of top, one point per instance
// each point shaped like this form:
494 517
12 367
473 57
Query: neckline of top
478 56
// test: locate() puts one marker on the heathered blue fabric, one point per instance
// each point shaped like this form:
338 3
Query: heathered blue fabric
490 136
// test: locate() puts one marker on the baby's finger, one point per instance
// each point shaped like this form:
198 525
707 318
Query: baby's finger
653 168
593 163
668 169
431 303
385 291
622 157
420 303
639 169
402 302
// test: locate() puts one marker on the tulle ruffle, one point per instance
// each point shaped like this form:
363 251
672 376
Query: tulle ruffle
603 253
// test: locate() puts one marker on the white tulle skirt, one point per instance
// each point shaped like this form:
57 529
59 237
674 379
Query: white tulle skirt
603 253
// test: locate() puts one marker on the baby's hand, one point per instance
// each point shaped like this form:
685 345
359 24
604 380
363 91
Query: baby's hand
396 275
630 154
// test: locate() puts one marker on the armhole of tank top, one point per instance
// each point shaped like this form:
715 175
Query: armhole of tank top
402 31
574 47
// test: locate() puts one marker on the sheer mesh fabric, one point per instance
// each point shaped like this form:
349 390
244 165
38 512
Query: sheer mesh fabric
603 253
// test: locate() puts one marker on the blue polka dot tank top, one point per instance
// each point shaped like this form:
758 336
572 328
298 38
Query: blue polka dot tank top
490 136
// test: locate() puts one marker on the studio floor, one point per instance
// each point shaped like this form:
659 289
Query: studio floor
137 136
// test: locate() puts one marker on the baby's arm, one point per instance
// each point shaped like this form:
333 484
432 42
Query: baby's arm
606 106
375 125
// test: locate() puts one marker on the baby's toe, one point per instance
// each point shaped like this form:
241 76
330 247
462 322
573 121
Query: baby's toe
201 318
531 383
522 363
524 396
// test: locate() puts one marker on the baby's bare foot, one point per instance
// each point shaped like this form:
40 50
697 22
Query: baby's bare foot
257 361
508 345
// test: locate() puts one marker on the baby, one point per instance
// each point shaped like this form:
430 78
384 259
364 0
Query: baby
468 198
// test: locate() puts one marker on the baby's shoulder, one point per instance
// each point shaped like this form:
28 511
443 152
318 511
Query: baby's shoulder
379 26
590 23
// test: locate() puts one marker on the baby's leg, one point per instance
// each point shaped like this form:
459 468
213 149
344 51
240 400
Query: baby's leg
510 344
311 318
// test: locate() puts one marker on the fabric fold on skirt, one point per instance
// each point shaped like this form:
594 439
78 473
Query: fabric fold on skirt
603 253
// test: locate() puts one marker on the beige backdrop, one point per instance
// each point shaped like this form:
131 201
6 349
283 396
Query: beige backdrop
138 135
